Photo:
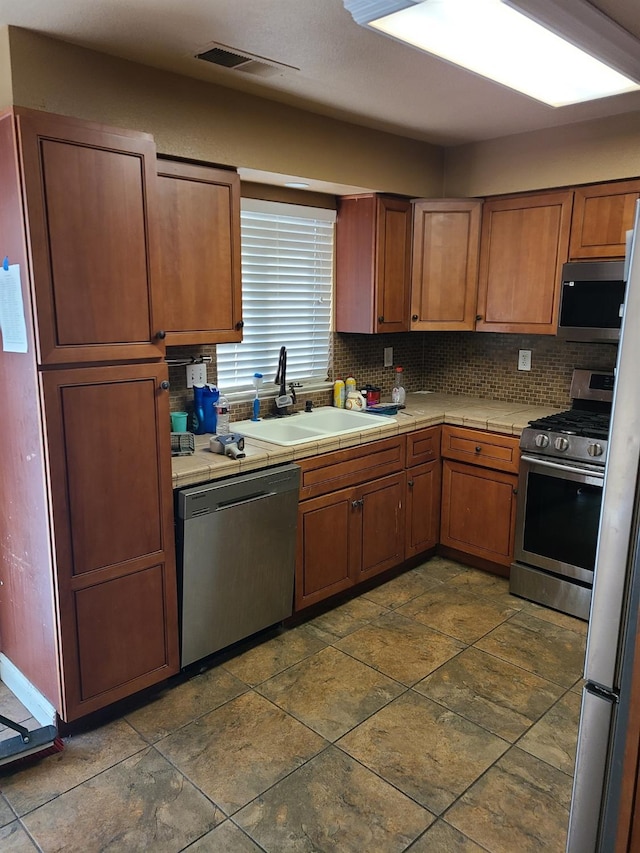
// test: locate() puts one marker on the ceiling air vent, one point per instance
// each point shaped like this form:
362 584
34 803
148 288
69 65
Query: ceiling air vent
228 57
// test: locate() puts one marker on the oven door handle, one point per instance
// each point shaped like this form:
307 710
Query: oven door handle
556 466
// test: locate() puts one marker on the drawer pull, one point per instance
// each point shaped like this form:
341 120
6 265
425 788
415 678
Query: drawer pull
478 449
410 484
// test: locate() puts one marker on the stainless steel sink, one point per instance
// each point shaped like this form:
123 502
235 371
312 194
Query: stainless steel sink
324 422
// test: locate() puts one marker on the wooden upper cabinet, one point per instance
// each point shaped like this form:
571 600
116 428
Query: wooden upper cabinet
524 243
373 252
199 277
88 193
444 269
602 214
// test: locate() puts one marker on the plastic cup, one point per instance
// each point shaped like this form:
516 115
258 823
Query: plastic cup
178 421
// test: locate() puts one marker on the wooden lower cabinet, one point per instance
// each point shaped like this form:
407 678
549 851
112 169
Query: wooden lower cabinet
325 543
381 526
478 511
347 536
114 577
422 526
424 479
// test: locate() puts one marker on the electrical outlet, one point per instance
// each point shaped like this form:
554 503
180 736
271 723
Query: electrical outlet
196 375
388 356
524 359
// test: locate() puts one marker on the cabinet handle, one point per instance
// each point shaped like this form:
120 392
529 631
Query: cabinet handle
414 317
380 319
355 504
478 449
161 335
240 325
515 491
410 484
478 316
165 385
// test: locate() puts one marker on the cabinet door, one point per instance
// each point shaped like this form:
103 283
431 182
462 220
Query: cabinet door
478 511
198 278
373 245
110 469
393 242
444 268
88 192
422 526
326 547
524 242
381 528
602 214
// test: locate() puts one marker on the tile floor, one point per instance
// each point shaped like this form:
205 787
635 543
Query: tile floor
434 713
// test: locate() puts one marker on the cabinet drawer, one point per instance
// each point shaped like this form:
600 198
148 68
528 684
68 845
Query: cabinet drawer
350 467
423 445
491 450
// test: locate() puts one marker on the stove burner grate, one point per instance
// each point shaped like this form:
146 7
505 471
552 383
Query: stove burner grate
576 422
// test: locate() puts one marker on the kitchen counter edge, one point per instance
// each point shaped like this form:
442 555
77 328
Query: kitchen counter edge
422 410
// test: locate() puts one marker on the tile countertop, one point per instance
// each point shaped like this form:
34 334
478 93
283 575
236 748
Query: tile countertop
422 410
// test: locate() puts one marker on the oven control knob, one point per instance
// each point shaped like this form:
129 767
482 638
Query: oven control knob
561 443
542 440
595 450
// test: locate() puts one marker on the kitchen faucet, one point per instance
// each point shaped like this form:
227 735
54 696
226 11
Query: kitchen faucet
283 400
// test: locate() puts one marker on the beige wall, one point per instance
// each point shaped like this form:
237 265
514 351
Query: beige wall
5 69
190 118
583 153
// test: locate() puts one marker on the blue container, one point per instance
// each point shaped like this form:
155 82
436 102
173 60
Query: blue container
205 398
211 395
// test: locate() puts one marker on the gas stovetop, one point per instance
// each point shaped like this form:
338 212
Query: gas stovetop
580 433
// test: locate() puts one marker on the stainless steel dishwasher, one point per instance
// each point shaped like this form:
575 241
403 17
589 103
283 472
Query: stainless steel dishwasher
236 542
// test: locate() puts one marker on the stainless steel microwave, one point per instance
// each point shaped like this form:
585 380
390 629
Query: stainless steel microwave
591 301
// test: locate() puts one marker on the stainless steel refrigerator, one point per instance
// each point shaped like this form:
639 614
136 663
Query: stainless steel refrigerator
615 599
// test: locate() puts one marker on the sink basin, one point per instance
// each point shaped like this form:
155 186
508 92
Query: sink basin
324 422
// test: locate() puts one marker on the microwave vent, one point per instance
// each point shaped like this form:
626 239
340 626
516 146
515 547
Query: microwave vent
235 60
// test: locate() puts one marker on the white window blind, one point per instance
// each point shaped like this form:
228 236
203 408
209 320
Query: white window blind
287 283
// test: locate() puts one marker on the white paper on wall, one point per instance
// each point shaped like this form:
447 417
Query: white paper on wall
12 322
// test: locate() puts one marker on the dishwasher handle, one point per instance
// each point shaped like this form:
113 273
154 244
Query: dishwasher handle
246 499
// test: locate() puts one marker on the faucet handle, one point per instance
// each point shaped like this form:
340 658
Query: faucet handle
292 387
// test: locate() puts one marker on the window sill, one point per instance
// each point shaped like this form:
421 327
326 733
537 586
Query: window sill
270 391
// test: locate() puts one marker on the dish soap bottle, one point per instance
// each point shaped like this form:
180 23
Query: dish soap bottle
339 393
349 385
398 394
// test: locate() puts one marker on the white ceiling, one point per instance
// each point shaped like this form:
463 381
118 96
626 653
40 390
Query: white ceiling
345 71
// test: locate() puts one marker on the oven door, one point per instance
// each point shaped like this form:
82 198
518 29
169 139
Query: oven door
557 516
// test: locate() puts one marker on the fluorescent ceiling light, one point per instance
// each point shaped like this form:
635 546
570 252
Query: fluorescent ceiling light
496 41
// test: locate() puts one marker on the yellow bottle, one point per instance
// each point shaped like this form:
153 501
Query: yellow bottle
339 393
349 385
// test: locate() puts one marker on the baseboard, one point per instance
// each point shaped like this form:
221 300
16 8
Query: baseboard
25 692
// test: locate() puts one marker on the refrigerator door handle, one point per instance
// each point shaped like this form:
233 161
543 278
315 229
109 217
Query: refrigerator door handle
590 772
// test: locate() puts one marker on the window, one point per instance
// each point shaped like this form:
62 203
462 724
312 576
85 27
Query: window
287 278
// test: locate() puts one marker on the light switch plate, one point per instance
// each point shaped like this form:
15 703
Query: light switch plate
196 375
388 356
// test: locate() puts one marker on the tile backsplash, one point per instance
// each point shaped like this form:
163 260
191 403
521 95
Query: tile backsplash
479 364
484 364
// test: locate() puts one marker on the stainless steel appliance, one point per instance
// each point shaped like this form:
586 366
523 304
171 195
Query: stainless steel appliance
591 301
596 808
236 541
560 497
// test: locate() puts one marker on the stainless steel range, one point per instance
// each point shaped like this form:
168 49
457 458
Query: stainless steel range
562 467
